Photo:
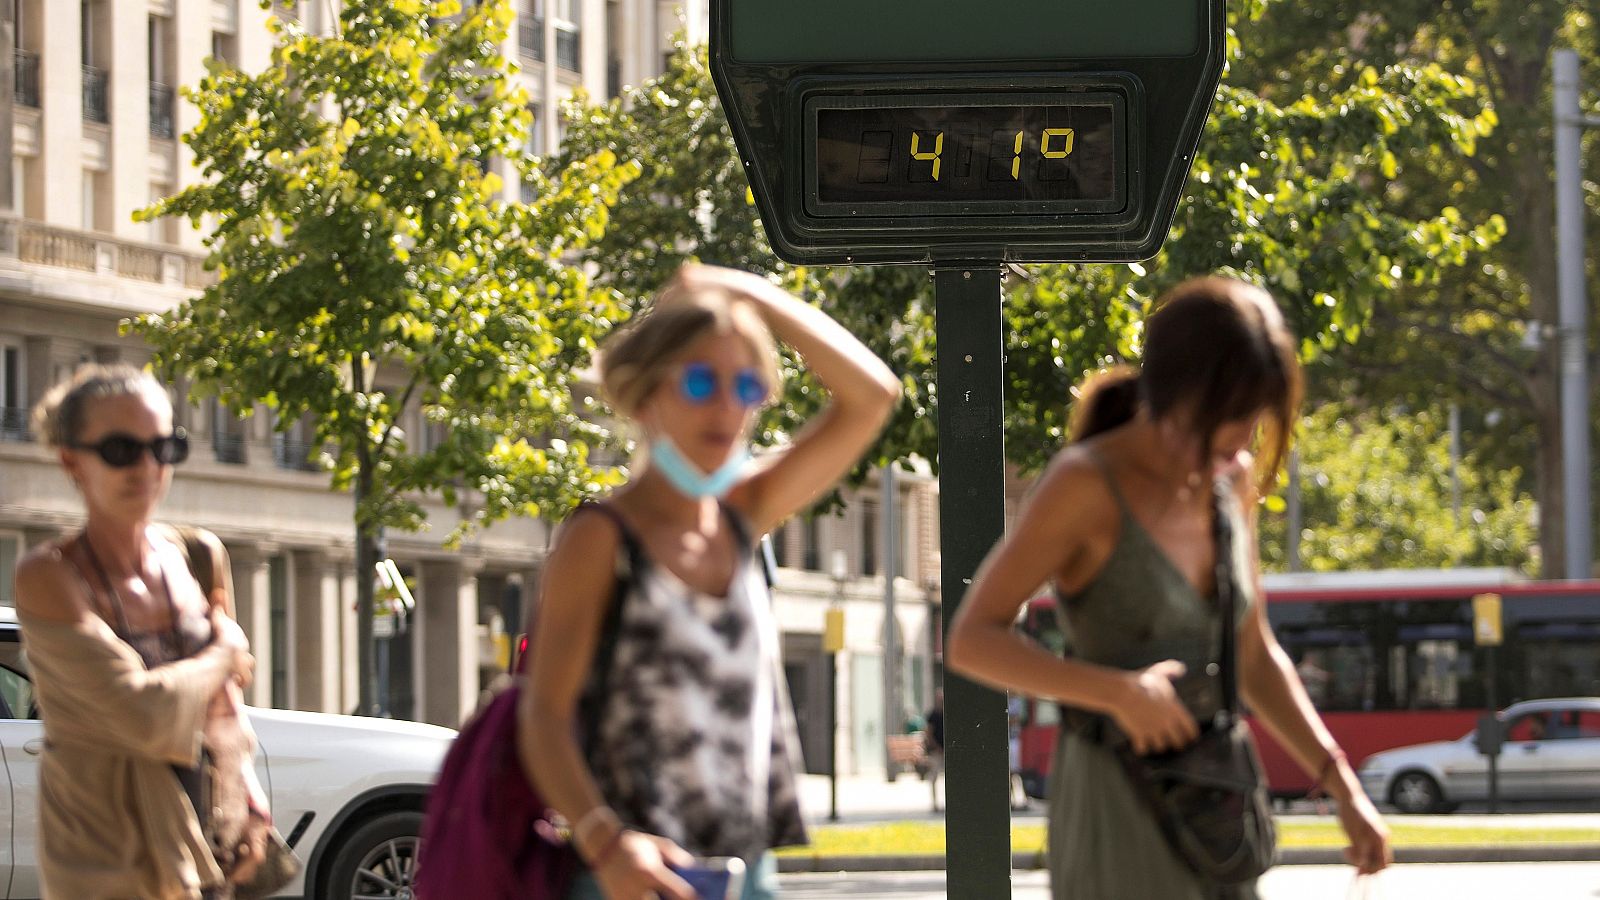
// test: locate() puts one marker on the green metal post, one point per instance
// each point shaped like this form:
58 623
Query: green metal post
971 521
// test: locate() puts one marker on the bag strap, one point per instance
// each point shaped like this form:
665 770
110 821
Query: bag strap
628 562
196 554
1222 528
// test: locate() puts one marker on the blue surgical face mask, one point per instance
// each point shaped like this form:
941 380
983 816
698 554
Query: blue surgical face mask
687 477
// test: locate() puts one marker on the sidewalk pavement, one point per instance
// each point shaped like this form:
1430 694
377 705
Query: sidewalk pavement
864 800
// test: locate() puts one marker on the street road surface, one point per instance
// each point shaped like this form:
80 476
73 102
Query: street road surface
1461 881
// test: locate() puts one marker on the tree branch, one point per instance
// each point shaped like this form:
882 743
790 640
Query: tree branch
1504 360
405 400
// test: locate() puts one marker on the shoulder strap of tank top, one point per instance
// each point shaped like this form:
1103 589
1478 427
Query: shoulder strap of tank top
1111 479
760 548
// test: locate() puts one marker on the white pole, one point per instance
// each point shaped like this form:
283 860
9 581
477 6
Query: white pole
1573 325
894 716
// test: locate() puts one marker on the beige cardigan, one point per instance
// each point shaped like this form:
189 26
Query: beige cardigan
113 820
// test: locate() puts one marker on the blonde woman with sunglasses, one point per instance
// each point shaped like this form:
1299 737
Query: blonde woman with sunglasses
137 672
690 752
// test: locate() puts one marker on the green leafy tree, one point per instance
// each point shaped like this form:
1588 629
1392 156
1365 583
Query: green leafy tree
1376 492
1290 193
366 266
1482 336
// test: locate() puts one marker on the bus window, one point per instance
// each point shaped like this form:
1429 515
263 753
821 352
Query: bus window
1560 659
1435 672
1336 665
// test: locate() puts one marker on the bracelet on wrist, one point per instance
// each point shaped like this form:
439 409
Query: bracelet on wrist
1329 766
598 859
601 814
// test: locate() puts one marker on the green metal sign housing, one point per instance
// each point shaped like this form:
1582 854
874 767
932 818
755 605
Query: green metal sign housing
890 131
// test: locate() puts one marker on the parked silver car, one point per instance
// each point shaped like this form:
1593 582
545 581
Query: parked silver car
1551 752
347 792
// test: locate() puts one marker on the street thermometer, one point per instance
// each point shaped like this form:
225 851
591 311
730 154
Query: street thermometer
909 131
964 136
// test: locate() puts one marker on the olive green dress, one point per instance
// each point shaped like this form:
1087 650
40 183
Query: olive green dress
1139 610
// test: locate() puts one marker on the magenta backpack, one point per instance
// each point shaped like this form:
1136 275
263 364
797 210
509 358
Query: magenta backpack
488 834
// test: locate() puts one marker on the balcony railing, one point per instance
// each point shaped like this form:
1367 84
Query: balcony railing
96 84
26 72
160 110
142 263
530 38
57 247
65 248
14 424
567 49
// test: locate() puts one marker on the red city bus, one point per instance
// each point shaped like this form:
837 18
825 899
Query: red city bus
1388 657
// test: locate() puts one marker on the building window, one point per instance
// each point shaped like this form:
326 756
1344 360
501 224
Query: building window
96 80
811 543
164 229
278 630
902 534
227 441
534 149
96 202
26 73
780 546
225 48
13 392
10 551
568 44
869 537
530 30
19 181
161 93
293 448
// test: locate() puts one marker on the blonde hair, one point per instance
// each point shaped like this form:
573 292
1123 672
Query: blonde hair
636 358
60 415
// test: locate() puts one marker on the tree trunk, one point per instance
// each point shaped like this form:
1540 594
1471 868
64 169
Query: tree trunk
1533 209
369 551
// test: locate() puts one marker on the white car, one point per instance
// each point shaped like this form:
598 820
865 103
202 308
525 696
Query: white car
346 792
1551 752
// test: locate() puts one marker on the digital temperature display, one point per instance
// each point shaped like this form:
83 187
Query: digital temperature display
1053 154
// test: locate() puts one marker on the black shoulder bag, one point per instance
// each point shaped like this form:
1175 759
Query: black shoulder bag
1208 798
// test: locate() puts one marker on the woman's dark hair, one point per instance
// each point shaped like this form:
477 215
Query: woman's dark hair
1218 347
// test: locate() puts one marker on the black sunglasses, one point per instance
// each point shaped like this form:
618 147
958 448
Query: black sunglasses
120 451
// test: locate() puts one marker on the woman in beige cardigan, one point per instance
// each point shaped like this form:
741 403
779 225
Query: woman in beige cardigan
135 670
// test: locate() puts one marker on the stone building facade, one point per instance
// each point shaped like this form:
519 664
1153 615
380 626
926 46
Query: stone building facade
88 128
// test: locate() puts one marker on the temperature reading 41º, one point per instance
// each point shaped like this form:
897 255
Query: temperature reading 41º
1051 153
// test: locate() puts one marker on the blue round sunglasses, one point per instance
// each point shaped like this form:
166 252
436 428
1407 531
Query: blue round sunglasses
699 383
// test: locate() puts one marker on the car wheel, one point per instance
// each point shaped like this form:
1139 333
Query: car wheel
1416 792
378 861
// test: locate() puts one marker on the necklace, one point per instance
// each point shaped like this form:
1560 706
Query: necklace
116 596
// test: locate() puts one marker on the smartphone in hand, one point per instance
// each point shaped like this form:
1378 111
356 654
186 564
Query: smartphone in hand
714 877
